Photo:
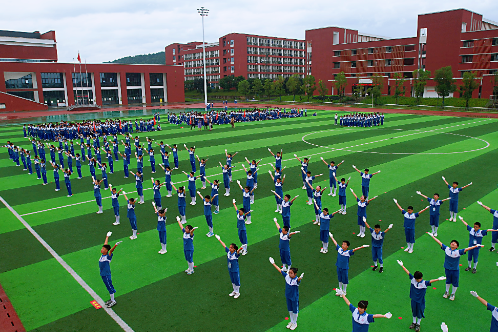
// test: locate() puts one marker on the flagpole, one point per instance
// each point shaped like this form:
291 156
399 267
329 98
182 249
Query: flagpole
74 71
86 77
81 82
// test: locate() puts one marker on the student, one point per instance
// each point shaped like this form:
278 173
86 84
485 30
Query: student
207 200
152 160
377 244
494 235
284 246
103 168
28 162
115 203
139 185
317 196
226 178
454 191
409 224
324 222
77 158
418 288
91 163
69 161
57 168
254 167
156 187
342 263
241 227
434 204
105 268
490 307
165 157
286 204
332 171
188 245
233 254
304 169
131 215
96 194
475 237
191 185
362 211
125 166
249 183
214 194
362 320
278 158
167 179
36 161
365 180
191 154
246 201
292 283
229 163
67 181
161 227
452 264
175 154
279 182
182 204
342 194
140 163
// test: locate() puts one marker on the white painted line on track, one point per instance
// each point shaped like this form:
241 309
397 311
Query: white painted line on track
73 273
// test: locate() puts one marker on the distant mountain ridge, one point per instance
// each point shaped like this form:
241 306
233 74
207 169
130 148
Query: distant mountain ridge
142 59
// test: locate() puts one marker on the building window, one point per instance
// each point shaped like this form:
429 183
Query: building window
24 94
370 50
231 60
110 97
408 62
82 79
494 42
354 52
156 79
468 43
108 79
494 57
22 82
337 53
232 69
337 65
156 95
134 96
467 58
52 80
231 51
225 51
388 62
370 63
231 42
83 96
133 79
409 48
353 64
53 98
389 49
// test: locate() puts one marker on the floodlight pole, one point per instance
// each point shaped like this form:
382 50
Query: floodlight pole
204 12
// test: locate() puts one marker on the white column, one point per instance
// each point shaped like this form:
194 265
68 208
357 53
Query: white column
119 89
165 88
142 79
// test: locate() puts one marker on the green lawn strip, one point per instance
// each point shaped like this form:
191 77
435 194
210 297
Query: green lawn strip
88 319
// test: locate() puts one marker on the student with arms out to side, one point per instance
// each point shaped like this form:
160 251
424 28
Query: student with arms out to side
454 191
226 178
494 235
409 224
365 180
434 205
215 185
490 307
182 204
332 175
105 268
324 222
207 200
362 211
377 244
241 226
233 254
475 237
97 194
188 245
286 204
229 164
342 194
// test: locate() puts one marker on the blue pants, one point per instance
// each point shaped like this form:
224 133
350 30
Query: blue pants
453 206
342 200
153 165
494 236
209 220
168 186
360 221
111 167
57 184
106 183
68 186
30 170
364 191
377 254
133 223
410 235
286 221
342 275
157 200
452 277
418 309
98 199
70 166
191 192
38 173
126 172
140 191
78 169
162 237
116 210
235 278
473 254
181 210
44 177
324 235
434 220
332 183
242 236
189 255
176 161
194 169
285 257
108 284
293 306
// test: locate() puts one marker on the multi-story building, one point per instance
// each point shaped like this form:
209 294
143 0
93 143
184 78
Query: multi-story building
458 38
34 80
251 56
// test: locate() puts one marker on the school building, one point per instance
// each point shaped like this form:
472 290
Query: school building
34 80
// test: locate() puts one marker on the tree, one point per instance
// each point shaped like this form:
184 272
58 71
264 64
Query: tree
189 85
278 86
445 83
293 85
198 85
420 78
322 89
268 88
244 88
378 86
309 85
340 84
226 83
257 86
398 84
495 84
469 84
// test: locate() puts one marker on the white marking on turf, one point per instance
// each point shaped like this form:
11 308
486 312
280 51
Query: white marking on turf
69 269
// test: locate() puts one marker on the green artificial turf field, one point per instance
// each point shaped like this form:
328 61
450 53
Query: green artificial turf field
154 293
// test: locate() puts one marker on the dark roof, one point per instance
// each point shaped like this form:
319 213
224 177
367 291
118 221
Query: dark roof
7 33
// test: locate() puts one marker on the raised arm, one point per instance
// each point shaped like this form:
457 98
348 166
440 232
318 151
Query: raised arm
332 238
396 202
484 206
428 206
271 152
271 175
179 222
361 247
467 185
371 199
483 301
200 195
235 205
272 262
219 239
276 223
292 200
276 194
463 221
435 239
375 173
173 186
240 186
324 161
419 193
353 193
356 169
295 156
404 268
444 179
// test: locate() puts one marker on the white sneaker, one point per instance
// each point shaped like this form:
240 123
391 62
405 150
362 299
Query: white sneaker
406 249
293 326
289 325
321 250
244 252
325 251
115 223
309 203
344 212
133 237
162 252
445 295
330 194
451 218
280 211
248 222
435 234
362 235
99 212
141 202
315 222
304 187
203 187
232 293
359 234
236 296
168 195
277 210
452 297
333 194
410 251
225 194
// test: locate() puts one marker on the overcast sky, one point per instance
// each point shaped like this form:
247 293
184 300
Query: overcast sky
105 30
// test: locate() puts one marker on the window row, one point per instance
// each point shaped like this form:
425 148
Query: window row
386 49
272 51
198 55
274 43
199 63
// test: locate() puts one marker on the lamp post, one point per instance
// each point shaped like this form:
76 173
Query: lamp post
204 12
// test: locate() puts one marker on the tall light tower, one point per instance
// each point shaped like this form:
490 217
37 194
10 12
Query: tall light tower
204 12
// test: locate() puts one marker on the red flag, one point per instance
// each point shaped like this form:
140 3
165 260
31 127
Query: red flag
120 124
94 129
78 128
244 114
154 121
216 115
204 117
79 58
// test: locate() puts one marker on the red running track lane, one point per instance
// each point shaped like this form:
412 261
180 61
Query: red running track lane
180 106
9 321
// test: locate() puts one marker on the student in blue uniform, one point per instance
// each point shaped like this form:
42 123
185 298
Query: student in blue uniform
125 165
191 186
131 216
332 174
28 162
475 237
182 204
342 194
188 245
115 203
286 204
454 191
233 254
229 163
140 163
105 268
208 200
362 320
215 185
292 283
67 181
284 246
103 168
365 180
36 161
362 203
304 170
324 221
278 158
175 154
246 201
57 168
494 235
226 178
377 244
161 227
167 179
202 171
152 160
434 205
342 263
308 180
452 264
279 182
418 288
317 199
156 187
97 194
241 227
253 165
249 183
490 307
191 154
409 224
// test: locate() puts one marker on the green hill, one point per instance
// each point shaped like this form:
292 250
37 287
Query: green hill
152 58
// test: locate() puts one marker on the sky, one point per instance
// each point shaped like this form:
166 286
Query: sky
105 30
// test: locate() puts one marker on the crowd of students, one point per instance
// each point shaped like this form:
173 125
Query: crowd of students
242 215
